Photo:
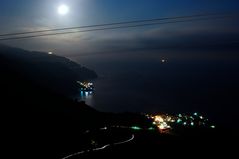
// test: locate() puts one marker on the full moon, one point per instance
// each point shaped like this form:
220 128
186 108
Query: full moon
63 9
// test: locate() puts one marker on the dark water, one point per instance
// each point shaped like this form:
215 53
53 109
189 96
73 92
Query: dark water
209 87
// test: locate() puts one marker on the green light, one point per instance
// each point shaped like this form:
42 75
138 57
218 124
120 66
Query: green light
192 123
213 126
179 120
151 128
135 128
195 114
180 115
184 123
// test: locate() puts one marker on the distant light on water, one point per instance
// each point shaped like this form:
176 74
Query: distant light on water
87 97
50 53
163 60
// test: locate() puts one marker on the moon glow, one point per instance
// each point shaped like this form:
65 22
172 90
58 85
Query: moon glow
63 9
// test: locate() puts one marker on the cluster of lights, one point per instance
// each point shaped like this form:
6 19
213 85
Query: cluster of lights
193 120
165 122
86 86
86 93
161 122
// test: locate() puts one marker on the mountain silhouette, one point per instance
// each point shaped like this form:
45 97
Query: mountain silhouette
50 71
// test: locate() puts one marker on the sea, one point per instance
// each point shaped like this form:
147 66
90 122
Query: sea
209 87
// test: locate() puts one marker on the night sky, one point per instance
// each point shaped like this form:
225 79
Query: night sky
28 15
209 46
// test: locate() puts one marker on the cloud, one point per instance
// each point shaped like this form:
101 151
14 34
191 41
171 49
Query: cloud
190 38
202 37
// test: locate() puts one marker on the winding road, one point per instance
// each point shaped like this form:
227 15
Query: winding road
100 148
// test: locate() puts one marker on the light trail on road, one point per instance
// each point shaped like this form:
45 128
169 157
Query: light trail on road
99 148
74 154
123 142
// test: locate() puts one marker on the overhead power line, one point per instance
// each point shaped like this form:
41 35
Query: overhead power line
112 26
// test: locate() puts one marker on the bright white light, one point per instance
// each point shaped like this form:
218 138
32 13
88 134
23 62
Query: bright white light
63 9
161 127
213 126
158 119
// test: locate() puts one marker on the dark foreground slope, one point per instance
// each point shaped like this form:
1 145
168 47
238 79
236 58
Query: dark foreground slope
36 122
